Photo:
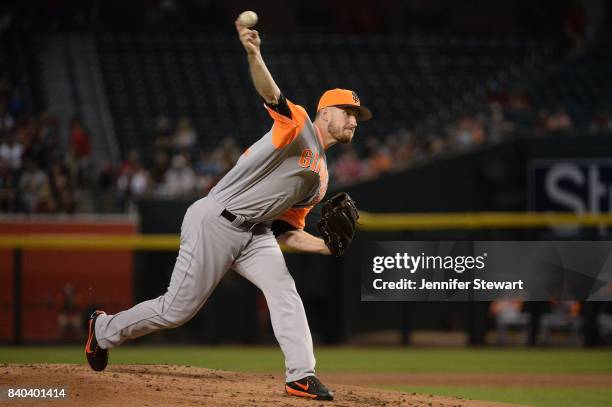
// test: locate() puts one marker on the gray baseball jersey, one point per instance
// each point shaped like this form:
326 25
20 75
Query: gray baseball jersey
281 176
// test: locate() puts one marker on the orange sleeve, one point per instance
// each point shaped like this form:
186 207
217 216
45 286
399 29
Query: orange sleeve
296 217
286 129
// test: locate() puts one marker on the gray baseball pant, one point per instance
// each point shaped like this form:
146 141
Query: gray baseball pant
210 245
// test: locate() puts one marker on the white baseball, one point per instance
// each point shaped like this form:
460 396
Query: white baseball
247 18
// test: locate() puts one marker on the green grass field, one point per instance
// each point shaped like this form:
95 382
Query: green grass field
397 360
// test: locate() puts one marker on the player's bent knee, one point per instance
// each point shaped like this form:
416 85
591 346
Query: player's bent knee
175 317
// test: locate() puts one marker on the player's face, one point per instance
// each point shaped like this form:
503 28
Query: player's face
342 123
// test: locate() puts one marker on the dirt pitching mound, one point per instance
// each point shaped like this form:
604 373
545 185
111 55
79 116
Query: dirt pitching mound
163 385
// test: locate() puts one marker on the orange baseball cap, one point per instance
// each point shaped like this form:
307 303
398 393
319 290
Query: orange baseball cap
344 98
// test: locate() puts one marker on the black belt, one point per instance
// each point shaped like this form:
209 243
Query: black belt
231 217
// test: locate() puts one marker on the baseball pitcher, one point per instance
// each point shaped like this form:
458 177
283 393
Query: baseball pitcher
263 200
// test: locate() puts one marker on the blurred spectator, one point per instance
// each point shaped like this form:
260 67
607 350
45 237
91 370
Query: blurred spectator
106 188
36 148
402 148
33 186
230 152
185 137
559 120
139 184
10 152
508 315
161 163
541 124
61 189
498 127
106 177
468 131
80 142
16 103
8 191
212 166
69 319
7 122
133 181
80 146
437 145
378 159
49 135
24 132
180 179
605 326
130 163
517 106
208 169
210 163
602 122
162 134
347 168
564 316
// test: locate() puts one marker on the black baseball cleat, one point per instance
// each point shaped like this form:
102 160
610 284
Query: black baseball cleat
96 356
309 387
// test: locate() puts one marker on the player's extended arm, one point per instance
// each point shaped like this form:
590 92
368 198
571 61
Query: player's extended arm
262 79
303 241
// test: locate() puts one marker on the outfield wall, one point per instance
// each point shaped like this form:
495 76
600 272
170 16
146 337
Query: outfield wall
98 277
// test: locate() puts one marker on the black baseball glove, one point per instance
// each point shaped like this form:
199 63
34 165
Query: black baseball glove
338 222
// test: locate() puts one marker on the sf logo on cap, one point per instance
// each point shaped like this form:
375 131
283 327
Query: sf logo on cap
355 98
